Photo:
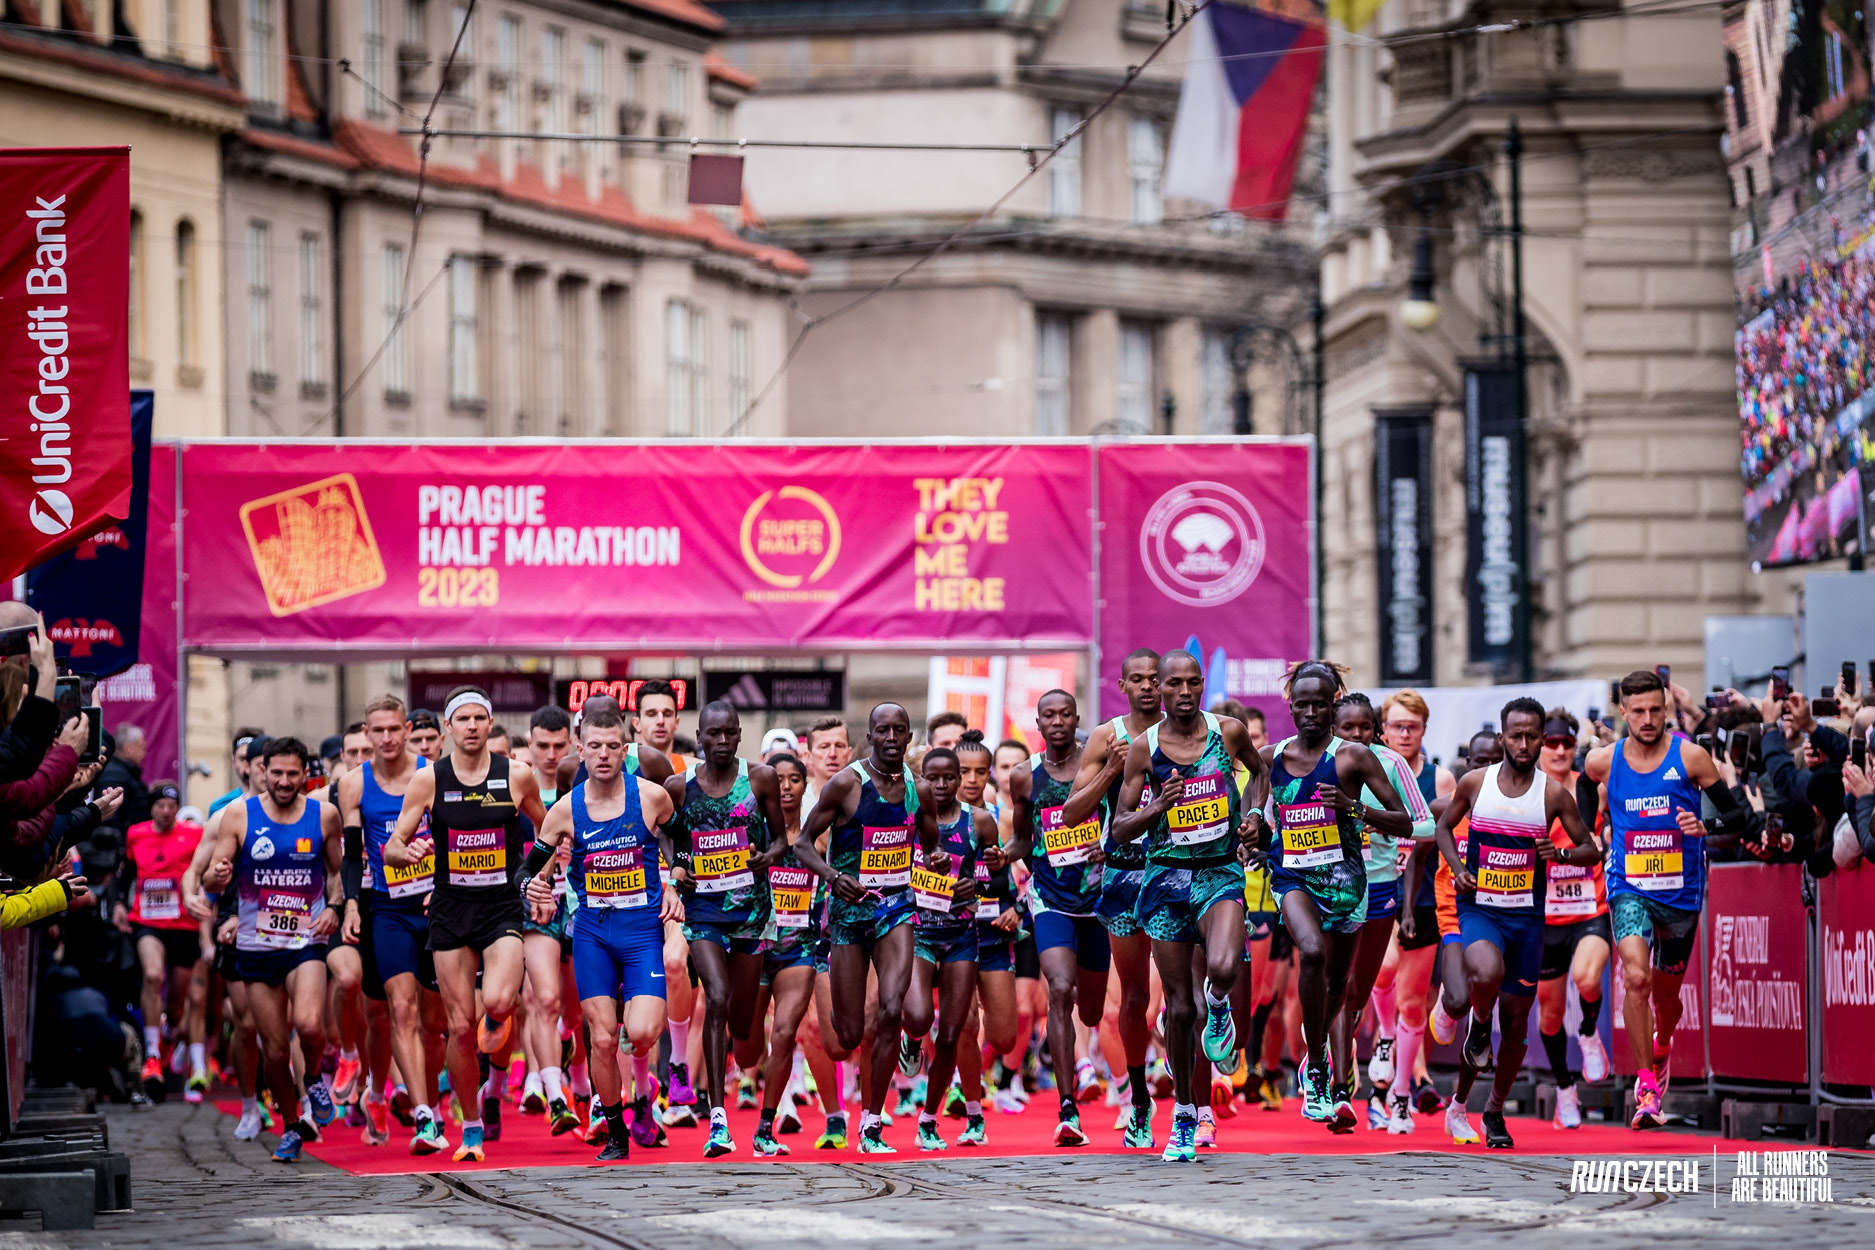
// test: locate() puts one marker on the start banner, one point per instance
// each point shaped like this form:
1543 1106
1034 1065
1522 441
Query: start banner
1760 965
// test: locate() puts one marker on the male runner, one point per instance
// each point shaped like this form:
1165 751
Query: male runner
728 833
1452 996
282 851
1096 795
998 917
169 943
1501 888
654 723
426 735
945 729
474 801
386 913
545 948
239 769
828 752
1319 874
1656 869
615 824
870 809
1065 883
355 747
1195 826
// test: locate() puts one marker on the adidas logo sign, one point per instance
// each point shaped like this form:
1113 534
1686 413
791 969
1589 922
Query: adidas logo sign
746 693
1672 774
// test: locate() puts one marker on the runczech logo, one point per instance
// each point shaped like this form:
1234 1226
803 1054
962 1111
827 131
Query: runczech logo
790 537
312 544
1202 544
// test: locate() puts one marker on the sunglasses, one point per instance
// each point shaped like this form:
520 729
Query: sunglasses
1560 742
1405 726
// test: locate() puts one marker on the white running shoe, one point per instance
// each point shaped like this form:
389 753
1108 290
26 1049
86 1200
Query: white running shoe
1380 1067
1400 1117
1442 1027
787 1117
249 1127
1594 1058
1008 1102
1568 1108
1458 1124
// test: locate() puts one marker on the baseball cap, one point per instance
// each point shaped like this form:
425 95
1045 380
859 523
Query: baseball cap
780 736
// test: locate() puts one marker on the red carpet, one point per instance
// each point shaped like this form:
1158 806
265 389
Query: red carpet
525 1141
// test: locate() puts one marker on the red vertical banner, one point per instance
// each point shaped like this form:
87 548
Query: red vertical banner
1845 912
1759 969
64 362
146 693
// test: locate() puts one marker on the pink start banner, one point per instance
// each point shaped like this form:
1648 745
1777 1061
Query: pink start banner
296 547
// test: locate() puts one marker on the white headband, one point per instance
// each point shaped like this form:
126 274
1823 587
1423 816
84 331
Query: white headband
468 698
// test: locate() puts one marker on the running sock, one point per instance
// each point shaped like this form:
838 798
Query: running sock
1494 1101
475 1124
1259 1020
1185 1110
719 1115
926 1117
348 1056
1067 1106
550 1080
250 1105
973 1107
680 1041
767 1125
152 1041
581 1080
1406 1044
420 1113
614 1114
868 1119
1212 998
1136 1083
1556 1046
1591 1016
835 1098
641 1076
1206 1115
1479 1033
1384 1018
198 1057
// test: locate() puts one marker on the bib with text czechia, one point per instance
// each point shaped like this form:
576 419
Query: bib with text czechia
284 921
1311 834
477 857
159 899
885 857
1569 890
1655 860
792 890
719 860
1202 812
1067 845
1506 876
616 878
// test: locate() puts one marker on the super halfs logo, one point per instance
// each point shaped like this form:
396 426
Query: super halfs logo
312 544
1202 544
790 539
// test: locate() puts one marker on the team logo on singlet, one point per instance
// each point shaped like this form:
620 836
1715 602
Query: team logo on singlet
262 848
312 544
1202 544
790 539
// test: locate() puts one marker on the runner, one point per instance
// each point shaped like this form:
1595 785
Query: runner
426 735
169 941
1096 795
992 1017
474 801
1064 860
546 995
829 751
1319 875
1501 882
1453 997
282 851
615 823
1196 828
1656 869
727 834
1019 1064
1577 939
386 913
870 809
241 768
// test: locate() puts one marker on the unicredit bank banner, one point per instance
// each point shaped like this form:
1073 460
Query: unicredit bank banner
64 369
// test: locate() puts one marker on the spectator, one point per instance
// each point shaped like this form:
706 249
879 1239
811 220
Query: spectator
125 771
20 908
1860 789
30 715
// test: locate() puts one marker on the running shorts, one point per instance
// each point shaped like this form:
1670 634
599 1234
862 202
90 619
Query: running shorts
731 942
1445 894
617 954
1518 937
1425 928
1383 899
554 928
475 921
863 924
271 967
996 950
1340 895
945 944
1119 897
1086 935
1560 941
1173 900
392 941
1671 931
777 960
182 948
1027 962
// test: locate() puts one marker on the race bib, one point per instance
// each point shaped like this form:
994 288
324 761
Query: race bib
159 899
1203 811
1570 891
719 860
1067 845
885 857
1655 860
477 857
1506 876
1311 834
792 890
616 878
412 881
284 922
932 891
987 908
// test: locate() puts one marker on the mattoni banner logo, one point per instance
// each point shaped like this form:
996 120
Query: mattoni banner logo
1202 544
790 539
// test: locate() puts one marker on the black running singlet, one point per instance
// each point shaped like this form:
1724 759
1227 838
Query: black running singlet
477 830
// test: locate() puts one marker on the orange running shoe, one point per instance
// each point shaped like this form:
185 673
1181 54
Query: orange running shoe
491 1038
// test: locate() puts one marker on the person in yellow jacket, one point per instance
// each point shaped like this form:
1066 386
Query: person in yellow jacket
19 908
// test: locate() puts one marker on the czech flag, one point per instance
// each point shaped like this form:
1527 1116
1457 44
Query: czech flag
1243 114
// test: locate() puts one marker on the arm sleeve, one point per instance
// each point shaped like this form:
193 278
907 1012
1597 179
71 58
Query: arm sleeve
1734 816
28 738
24 907
352 866
1588 798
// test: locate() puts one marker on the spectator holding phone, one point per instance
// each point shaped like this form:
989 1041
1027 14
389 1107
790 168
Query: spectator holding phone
1807 793
31 717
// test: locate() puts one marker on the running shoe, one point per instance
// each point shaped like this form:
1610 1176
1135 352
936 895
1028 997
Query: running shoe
1647 1103
1568 1108
377 1121
646 1131
1400 1115
288 1149
872 1141
1458 1124
678 1090
787 1118
1380 1067
764 1143
928 1138
1496 1136
1477 1050
491 1118
974 1133
1068 1129
745 1094
1426 1098
679 1114
533 1095
1207 1132
1183 1145
429 1137
492 1036
1138 1128
152 1070
320 1099
720 1142
560 1118
910 1054
835 1136
1272 1092
1377 1114
596 1129
1317 1105
401 1107
1342 1103
615 1150
1223 1098
908 1102
345 1081
1219 1039
1440 1023
954 1102
266 1111
196 1087
1008 1102
355 1114
1594 1057
470 1151
249 1127
1086 1081
178 1057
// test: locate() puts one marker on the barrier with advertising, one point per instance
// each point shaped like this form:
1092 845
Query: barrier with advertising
1760 961
1845 912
